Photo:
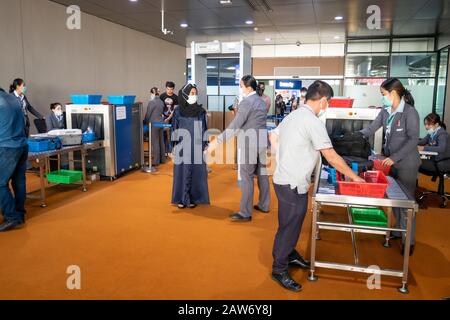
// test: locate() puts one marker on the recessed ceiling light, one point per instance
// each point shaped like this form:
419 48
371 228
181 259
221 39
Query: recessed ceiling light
337 37
256 28
249 22
226 2
338 18
184 25
216 41
268 39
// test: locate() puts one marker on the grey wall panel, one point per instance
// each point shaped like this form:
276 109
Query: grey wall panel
11 52
102 57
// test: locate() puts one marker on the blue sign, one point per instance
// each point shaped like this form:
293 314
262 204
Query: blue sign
288 85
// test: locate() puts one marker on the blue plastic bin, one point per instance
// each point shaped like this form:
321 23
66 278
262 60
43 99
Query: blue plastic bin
89 137
121 100
86 99
43 144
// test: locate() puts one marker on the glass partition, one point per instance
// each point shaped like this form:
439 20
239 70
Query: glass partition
367 65
442 82
417 65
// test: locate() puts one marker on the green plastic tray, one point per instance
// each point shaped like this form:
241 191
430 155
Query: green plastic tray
369 217
65 176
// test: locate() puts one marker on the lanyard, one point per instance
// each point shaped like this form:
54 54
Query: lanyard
391 118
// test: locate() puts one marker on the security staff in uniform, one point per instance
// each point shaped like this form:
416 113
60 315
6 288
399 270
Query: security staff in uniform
13 162
299 141
250 121
401 125
18 89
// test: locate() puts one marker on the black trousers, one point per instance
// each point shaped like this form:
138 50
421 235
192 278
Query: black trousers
292 208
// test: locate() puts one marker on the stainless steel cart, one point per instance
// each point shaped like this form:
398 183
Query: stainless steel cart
396 197
43 160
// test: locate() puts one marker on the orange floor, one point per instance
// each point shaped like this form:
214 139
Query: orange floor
130 243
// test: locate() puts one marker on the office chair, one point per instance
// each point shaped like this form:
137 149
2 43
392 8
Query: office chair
41 126
442 169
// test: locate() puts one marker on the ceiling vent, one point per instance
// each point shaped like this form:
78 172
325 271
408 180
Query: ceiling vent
259 5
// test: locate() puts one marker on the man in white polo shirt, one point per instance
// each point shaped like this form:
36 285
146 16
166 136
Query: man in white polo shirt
302 137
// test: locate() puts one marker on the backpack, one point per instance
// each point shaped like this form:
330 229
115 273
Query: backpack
352 145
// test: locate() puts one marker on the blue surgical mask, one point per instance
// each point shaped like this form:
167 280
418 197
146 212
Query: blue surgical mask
431 131
387 102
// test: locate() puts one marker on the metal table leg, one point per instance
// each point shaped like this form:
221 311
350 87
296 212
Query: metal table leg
352 232
83 169
404 288
319 210
388 233
312 277
42 163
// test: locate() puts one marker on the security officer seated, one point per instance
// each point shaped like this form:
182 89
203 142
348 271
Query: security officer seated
435 141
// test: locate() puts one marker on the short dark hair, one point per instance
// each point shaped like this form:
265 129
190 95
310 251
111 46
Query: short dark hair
304 89
318 90
53 106
1 89
250 81
170 84
154 90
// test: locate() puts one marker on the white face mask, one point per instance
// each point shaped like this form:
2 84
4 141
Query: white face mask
192 99
323 113
58 113
242 93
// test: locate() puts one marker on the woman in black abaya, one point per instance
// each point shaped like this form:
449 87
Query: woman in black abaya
190 178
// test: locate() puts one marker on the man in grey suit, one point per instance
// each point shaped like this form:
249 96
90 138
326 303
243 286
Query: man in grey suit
250 126
155 111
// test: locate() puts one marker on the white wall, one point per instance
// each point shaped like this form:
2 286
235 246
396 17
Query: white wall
102 57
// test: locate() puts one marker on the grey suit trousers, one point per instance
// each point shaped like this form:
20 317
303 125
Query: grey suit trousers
408 178
246 173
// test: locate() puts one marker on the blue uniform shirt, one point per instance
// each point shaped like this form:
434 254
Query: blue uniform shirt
12 123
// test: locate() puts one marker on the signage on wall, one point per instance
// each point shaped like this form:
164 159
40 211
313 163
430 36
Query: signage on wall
231 47
207 48
288 85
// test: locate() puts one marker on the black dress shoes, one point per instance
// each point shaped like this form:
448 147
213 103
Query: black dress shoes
11 225
237 217
257 208
411 250
285 280
299 262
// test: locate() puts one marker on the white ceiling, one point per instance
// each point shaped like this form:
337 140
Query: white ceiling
287 21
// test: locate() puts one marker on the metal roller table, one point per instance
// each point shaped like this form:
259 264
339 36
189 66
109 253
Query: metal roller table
43 160
396 197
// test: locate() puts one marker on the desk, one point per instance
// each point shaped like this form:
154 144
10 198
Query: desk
43 160
397 197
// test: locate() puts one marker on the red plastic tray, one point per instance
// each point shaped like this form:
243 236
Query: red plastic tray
341 103
375 186
378 166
